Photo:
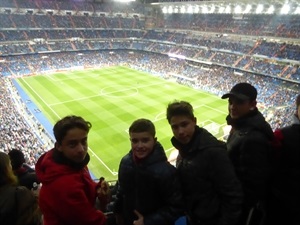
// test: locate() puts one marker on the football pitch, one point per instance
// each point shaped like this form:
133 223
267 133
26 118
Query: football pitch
111 99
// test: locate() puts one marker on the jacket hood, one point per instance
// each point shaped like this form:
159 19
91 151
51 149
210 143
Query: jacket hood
201 140
50 166
254 121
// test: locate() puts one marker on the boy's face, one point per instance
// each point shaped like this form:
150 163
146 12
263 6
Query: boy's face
238 108
74 145
183 128
142 144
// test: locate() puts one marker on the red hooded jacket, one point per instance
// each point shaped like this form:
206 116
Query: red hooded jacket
68 194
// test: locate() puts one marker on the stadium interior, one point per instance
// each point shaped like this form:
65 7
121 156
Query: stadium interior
205 45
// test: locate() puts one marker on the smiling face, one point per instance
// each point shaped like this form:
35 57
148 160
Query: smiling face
142 143
238 108
183 128
74 145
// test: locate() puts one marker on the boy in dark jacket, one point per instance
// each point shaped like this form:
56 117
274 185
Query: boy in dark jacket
211 190
148 188
250 149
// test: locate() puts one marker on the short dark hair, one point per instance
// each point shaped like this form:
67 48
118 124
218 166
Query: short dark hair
180 108
67 123
16 158
142 125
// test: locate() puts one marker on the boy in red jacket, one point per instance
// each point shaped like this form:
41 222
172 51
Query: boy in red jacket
68 193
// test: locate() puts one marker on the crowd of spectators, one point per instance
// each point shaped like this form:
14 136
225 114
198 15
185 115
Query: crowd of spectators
18 131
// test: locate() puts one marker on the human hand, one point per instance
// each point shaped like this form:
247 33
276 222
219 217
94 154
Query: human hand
140 220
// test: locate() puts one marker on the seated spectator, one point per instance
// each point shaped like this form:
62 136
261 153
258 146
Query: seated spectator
26 175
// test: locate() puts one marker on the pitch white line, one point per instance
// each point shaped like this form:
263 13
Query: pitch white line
113 173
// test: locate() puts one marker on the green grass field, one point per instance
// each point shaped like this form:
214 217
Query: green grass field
111 99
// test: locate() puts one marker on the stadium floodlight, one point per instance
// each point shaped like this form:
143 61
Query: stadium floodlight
170 9
221 9
259 8
248 9
196 9
204 9
238 9
212 9
285 9
271 10
297 11
190 9
228 9
165 10
176 10
182 9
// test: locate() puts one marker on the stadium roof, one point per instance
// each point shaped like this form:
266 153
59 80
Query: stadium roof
230 6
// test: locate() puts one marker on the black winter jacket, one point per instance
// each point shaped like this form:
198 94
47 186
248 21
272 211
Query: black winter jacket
286 182
212 193
150 187
250 150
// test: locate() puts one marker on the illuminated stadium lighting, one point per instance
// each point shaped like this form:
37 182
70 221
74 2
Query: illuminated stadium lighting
285 9
176 10
164 9
182 9
228 9
190 9
248 9
238 9
196 9
297 11
212 9
221 9
170 9
259 8
271 9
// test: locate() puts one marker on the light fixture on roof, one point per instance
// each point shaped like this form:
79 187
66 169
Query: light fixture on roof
297 11
238 9
228 9
221 9
212 9
182 9
271 9
248 9
259 8
190 9
285 9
